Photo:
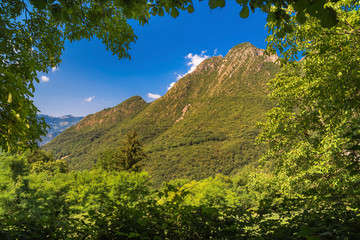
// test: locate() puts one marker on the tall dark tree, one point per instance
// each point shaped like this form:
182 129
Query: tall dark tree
131 152
127 157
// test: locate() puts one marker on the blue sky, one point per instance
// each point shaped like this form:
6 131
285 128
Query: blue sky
91 78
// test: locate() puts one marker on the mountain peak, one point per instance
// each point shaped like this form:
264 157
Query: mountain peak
66 116
124 110
241 53
130 101
244 50
244 58
208 64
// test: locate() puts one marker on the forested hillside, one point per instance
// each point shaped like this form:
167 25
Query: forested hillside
205 124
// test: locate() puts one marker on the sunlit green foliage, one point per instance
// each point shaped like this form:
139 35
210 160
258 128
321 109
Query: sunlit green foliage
313 133
112 205
122 205
42 161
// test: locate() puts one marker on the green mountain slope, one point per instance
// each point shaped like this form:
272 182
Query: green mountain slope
205 124
80 144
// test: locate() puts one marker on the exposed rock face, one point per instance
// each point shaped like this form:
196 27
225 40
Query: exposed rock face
205 124
183 112
208 64
243 55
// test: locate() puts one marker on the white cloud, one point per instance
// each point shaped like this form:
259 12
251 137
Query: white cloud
215 52
171 85
195 60
89 99
44 79
153 96
53 69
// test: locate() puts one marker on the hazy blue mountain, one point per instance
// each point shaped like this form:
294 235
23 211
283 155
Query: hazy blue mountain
57 125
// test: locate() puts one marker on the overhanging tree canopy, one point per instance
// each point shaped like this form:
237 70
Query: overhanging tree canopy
314 132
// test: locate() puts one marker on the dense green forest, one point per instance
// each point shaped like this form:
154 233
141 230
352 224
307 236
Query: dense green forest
306 187
41 200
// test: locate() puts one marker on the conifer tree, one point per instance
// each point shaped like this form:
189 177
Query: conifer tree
127 157
131 153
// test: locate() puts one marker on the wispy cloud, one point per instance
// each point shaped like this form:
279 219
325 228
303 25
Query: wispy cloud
53 69
195 60
215 52
89 99
44 79
153 96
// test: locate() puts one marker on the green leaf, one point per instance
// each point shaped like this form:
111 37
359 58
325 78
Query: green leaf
174 13
220 3
244 12
328 18
212 4
56 11
65 14
154 11
9 98
70 11
288 28
265 8
161 12
281 33
242 2
271 17
190 9
40 4
285 16
301 18
216 3
299 5
316 8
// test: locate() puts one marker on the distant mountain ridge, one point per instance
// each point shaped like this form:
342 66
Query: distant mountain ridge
57 125
205 124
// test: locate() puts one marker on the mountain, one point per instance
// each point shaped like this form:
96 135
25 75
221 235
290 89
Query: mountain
57 125
205 124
